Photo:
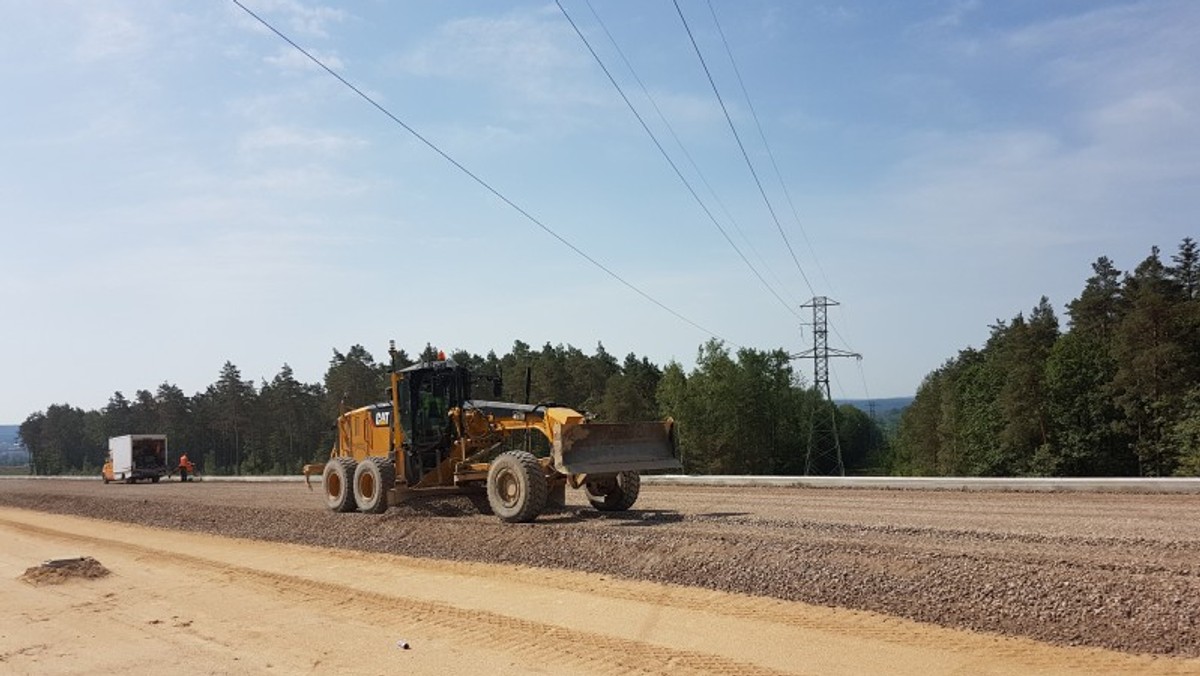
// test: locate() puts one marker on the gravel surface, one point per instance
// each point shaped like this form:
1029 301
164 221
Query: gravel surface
1118 571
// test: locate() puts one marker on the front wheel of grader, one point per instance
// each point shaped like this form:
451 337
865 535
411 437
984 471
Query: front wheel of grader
516 487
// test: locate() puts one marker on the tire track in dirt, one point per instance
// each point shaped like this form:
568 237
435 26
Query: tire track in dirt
536 641
543 642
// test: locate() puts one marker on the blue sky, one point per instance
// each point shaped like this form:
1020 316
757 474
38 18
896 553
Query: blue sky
181 188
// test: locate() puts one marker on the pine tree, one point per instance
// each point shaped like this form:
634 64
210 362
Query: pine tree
1152 370
232 400
352 380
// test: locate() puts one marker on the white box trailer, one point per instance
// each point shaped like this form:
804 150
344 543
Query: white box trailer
134 457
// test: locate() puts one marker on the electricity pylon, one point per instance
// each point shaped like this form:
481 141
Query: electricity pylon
824 455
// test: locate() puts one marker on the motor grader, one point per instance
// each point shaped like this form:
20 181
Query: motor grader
432 436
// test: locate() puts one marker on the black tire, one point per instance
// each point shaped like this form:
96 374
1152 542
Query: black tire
372 479
338 483
616 493
516 487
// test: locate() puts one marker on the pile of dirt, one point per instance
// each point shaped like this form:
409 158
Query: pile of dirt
58 571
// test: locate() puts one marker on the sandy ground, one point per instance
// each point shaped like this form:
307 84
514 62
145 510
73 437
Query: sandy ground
202 603
1106 570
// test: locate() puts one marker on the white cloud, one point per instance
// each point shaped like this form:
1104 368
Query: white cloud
1129 47
686 110
308 141
837 13
1114 133
107 33
303 182
954 15
299 17
289 58
531 54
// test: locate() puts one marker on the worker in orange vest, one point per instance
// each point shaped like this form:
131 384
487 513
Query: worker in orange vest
186 468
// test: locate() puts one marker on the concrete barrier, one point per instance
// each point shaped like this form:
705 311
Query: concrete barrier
1094 485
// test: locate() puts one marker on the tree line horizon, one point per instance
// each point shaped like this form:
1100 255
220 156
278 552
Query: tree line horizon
1117 393
743 412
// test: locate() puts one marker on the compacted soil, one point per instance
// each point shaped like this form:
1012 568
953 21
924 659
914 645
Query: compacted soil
1117 571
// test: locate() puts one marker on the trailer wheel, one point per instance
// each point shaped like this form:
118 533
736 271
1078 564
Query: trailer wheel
614 494
372 479
338 482
516 487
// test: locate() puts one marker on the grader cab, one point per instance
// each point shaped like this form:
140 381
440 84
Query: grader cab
432 436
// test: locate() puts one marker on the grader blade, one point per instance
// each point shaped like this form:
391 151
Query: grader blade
598 448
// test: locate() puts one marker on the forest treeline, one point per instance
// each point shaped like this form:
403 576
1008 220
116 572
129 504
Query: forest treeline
1115 394
742 412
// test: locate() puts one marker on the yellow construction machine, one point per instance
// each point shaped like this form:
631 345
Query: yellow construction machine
432 436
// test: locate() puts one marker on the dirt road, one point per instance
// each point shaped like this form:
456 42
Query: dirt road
1116 571
209 604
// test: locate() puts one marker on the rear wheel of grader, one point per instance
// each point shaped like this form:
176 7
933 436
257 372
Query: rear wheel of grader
616 493
372 479
338 482
516 487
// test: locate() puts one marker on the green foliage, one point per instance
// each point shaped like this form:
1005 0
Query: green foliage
743 413
747 413
354 379
1109 397
12 454
1185 435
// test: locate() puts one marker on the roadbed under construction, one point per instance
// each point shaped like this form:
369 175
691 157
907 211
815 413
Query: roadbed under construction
1112 570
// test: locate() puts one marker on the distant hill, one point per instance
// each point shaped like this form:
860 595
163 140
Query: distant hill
11 450
884 408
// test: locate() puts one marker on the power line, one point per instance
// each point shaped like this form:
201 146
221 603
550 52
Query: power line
487 186
687 184
683 149
742 147
783 185
762 135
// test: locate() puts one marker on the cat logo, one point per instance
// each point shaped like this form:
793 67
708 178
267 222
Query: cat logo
383 418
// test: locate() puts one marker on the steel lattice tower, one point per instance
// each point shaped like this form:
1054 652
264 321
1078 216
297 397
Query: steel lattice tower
824 454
